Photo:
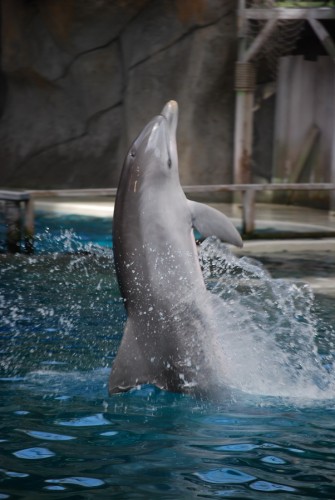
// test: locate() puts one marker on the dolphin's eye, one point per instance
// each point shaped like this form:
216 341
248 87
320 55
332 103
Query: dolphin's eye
169 163
132 154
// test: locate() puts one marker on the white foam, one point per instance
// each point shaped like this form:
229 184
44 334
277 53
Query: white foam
267 329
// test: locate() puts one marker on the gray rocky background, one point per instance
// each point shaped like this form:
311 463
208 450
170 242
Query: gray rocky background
79 79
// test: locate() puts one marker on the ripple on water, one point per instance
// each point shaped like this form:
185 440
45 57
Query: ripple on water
87 421
236 447
266 486
11 379
49 436
222 476
85 482
9 473
34 453
235 476
109 433
167 446
273 460
54 488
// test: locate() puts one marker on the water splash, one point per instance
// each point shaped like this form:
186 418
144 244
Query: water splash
60 307
268 329
63 310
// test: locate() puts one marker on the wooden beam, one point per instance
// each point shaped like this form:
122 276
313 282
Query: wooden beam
263 14
217 188
14 195
72 193
248 211
13 223
323 36
332 163
205 188
308 143
260 39
243 105
241 24
28 225
243 136
248 214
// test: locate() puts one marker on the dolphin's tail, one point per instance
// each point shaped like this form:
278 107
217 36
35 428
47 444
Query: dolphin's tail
130 368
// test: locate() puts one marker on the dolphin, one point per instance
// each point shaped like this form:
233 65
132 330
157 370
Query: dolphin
168 336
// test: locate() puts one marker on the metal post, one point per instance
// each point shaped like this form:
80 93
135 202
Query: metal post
239 138
329 46
332 167
243 137
13 223
29 225
248 215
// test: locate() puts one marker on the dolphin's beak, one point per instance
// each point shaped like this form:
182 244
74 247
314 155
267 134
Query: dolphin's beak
170 112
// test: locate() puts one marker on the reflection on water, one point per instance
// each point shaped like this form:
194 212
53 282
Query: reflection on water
151 444
61 319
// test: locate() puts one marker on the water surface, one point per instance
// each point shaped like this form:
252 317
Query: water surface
271 436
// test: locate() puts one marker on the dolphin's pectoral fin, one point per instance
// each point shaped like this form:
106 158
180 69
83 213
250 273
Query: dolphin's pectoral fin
210 222
129 368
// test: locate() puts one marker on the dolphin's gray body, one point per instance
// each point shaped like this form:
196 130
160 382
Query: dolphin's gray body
169 314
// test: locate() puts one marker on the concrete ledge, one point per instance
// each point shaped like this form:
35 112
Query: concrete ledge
9 195
94 209
295 219
289 246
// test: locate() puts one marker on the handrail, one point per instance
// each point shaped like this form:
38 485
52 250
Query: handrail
13 199
208 188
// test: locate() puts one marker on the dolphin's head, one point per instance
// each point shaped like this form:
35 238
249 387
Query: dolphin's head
153 155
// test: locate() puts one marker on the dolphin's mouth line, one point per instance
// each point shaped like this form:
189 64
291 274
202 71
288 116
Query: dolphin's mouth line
168 138
165 118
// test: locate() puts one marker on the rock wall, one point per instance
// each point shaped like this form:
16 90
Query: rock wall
79 79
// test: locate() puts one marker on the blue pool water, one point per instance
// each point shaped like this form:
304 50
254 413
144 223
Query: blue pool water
61 320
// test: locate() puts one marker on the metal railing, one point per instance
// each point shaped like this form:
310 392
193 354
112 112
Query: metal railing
20 204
